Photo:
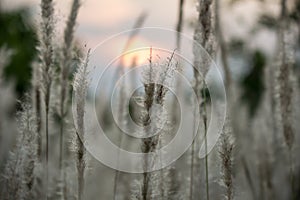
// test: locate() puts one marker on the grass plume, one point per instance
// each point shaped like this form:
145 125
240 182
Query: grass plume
65 65
226 155
46 59
19 171
80 85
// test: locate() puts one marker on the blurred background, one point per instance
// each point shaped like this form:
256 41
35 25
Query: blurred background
250 31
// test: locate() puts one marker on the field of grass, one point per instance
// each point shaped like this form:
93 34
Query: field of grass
218 120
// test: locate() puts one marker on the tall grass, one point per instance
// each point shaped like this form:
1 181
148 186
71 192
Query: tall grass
227 141
155 91
65 66
46 58
80 90
148 143
285 88
204 36
248 163
226 154
20 169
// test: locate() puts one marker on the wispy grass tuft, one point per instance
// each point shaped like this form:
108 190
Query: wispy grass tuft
204 36
20 169
46 34
155 93
226 155
80 85
65 65
284 88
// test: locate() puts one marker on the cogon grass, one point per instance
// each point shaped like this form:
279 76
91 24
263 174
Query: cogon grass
19 174
80 86
46 58
65 65
203 35
20 171
226 155
284 88
227 141
154 94
147 142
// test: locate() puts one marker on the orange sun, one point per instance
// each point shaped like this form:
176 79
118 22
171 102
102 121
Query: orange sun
138 53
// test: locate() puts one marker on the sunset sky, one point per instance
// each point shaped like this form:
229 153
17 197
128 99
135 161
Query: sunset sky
98 19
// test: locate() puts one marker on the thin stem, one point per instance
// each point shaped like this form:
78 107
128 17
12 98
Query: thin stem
38 119
248 177
46 54
47 105
196 88
192 157
162 182
205 141
117 174
80 157
61 146
61 152
179 23
145 185
286 89
147 142
65 68
206 170
47 147
220 38
138 24
121 119
61 142
36 102
192 171
80 85
204 36
292 178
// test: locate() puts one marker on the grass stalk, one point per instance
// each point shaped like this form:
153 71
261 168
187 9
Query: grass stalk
204 36
46 57
285 88
121 119
147 145
179 23
64 79
80 85
226 154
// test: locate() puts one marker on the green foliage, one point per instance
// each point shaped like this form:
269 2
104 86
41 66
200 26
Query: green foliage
236 46
19 36
252 84
268 21
295 14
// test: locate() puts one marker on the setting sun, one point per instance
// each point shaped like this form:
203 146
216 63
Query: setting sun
142 100
137 53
